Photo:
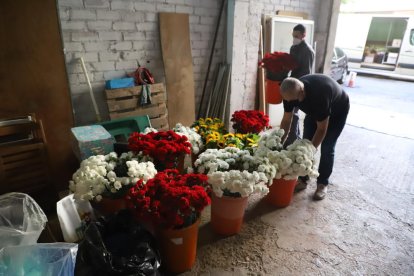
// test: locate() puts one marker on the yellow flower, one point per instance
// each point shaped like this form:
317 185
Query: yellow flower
252 141
213 135
211 140
232 145
240 136
209 120
214 127
221 144
228 135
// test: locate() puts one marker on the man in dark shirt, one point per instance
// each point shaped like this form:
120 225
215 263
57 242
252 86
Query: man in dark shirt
326 106
304 55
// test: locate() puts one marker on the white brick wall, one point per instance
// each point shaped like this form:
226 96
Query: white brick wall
114 36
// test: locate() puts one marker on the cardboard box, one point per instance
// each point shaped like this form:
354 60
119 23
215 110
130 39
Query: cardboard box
91 140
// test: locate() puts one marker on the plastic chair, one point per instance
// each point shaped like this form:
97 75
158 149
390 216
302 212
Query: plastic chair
121 129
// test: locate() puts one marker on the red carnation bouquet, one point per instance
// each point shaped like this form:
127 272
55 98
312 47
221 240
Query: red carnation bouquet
249 121
170 200
278 62
165 147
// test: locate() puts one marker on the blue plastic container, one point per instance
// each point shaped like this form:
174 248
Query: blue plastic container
120 83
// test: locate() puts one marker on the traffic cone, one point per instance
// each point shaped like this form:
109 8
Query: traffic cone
352 77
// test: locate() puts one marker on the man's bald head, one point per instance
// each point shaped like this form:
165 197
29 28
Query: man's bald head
291 88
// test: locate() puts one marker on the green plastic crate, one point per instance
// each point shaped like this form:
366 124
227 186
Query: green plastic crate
121 129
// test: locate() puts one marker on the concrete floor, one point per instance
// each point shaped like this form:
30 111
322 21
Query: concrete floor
366 224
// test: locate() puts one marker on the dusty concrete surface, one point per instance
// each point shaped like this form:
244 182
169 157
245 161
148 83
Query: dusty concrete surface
364 227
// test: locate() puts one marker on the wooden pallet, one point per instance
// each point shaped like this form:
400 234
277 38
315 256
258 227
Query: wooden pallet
124 102
24 165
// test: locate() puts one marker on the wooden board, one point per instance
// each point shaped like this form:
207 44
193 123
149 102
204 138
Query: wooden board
178 66
124 102
33 80
302 15
261 77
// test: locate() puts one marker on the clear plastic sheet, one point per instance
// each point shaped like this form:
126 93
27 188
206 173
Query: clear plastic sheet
21 220
42 259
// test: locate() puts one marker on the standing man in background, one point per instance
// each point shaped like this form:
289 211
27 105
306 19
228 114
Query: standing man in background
304 55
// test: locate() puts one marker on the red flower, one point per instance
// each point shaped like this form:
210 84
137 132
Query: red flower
164 147
249 121
278 62
169 199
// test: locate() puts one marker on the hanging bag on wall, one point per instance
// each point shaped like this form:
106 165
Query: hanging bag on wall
142 76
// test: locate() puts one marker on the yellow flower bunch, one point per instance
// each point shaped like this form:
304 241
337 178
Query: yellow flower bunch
204 125
216 137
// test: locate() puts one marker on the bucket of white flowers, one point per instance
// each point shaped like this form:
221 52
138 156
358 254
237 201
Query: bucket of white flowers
233 175
105 179
297 160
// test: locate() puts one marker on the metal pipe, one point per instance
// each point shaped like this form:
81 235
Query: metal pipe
211 57
95 106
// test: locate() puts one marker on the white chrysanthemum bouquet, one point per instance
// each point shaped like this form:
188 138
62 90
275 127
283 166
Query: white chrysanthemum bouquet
109 176
193 137
234 172
269 141
297 160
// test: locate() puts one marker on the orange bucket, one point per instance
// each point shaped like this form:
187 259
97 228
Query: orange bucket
108 206
273 92
227 214
281 192
178 247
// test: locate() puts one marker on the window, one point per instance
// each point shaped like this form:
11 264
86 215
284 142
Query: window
412 37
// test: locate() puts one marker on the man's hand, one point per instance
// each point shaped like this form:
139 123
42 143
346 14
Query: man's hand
321 129
285 124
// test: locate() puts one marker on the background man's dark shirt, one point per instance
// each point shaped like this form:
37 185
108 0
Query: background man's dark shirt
304 55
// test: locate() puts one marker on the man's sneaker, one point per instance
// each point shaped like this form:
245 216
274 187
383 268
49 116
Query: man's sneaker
300 185
320 192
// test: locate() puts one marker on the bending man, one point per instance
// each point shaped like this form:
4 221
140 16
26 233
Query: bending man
326 106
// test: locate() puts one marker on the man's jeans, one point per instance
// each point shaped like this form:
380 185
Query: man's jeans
335 127
294 132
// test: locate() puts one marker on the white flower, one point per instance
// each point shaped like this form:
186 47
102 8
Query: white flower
117 185
193 137
149 129
96 176
296 160
236 171
269 141
243 182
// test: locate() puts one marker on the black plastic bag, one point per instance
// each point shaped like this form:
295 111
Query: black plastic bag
117 245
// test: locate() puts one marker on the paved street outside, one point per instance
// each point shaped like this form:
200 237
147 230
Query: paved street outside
365 226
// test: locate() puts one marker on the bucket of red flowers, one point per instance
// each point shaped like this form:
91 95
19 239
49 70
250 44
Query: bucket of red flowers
277 65
172 203
249 121
166 148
